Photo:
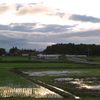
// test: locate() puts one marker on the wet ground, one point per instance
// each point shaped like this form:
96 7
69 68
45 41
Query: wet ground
49 73
39 92
86 86
88 83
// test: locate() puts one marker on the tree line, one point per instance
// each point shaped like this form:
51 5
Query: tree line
14 51
70 48
73 49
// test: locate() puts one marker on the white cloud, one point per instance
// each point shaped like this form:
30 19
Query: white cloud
34 10
42 43
6 8
21 1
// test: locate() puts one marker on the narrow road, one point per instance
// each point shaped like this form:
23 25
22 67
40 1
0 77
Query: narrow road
83 61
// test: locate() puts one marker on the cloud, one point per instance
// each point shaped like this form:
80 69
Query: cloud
32 27
6 8
23 27
81 34
42 43
61 15
8 40
84 18
54 28
34 10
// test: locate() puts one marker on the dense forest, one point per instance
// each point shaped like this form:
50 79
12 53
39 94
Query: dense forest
73 49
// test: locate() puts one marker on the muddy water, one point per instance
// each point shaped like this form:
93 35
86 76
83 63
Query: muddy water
39 92
80 83
77 81
43 73
51 73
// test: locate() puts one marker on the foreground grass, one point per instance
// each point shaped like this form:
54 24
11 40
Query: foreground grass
9 79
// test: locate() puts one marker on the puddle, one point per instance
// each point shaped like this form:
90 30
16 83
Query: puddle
40 92
43 73
80 82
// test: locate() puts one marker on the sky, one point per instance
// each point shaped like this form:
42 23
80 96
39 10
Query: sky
36 24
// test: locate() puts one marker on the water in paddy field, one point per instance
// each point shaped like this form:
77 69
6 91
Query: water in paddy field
77 81
43 73
81 83
36 92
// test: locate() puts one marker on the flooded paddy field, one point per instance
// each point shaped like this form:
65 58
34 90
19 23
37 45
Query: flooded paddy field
12 85
80 82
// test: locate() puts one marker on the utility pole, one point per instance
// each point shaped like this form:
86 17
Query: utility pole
88 54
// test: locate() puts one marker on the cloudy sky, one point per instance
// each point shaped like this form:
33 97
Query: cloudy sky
36 24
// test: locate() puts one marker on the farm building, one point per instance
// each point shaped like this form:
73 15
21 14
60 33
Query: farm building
25 55
75 56
51 56
56 56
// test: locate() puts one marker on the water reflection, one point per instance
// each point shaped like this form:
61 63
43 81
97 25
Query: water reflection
28 92
80 82
43 73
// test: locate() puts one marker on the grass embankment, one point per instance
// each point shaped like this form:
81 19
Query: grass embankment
93 59
82 73
41 65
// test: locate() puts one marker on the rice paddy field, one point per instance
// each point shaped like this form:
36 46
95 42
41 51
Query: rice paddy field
78 79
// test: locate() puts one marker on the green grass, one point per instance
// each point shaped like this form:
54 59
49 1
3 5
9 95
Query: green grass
10 79
13 58
39 65
93 59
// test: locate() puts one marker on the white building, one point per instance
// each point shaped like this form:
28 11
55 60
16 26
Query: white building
25 55
75 56
48 56
56 56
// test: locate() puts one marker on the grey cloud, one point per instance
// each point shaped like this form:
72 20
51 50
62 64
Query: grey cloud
84 18
54 28
90 33
19 6
61 15
5 40
30 27
24 27
4 27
